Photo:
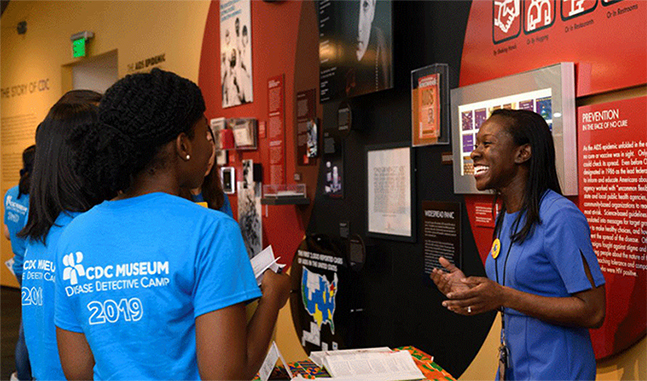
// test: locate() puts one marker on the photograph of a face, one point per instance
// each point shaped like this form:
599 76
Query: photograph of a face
355 41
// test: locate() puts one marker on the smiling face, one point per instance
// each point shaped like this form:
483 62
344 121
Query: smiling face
496 157
366 14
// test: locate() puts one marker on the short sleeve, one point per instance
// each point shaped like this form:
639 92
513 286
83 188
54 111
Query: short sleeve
64 309
224 275
567 238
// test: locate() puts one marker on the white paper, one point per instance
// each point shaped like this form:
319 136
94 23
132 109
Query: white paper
389 191
373 366
270 360
318 356
263 261
9 265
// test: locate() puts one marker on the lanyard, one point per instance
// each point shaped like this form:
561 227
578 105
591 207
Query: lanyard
496 271
504 352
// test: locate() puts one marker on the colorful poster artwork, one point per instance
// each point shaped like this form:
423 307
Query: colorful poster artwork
612 161
319 295
425 99
236 52
473 115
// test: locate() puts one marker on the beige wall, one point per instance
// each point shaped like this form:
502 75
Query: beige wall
137 30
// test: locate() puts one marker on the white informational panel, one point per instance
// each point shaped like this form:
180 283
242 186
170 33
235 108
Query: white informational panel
548 91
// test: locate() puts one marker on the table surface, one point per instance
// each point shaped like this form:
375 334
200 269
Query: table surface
308 369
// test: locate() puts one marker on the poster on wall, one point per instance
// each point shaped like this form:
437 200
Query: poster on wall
612 153
355 53
276 128
333 157
307 131
320 294
249 210
389 179
236 52
430 105
217 125
441 232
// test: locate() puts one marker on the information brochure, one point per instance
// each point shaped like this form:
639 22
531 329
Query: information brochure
263 261
375 364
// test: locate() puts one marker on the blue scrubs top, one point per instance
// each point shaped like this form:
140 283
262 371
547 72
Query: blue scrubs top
548 263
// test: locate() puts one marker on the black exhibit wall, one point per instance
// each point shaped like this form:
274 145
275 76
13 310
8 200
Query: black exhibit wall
394 302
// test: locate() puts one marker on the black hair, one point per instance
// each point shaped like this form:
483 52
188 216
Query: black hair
138 115
212 191
55 187
25 172
81 96
527 127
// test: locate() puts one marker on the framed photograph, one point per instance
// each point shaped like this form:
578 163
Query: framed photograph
390 192
355 37
430 105
228 178
245 133
217 125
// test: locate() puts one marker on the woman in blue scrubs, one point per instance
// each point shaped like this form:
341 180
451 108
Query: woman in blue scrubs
543 275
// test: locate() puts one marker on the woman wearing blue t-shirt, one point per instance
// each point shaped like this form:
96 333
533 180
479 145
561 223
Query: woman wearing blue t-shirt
16 206
151 285
57 196
543 275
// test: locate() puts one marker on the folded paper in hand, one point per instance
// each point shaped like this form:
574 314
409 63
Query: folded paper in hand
263 261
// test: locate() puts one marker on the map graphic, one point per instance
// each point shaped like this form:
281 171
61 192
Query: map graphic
319 297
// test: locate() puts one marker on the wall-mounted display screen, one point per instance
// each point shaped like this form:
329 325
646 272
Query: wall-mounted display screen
355 54
549 92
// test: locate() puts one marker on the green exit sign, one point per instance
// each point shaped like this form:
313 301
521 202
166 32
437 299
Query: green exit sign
78 48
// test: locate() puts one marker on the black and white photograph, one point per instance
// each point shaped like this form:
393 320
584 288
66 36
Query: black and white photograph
236 53
249 210
355 48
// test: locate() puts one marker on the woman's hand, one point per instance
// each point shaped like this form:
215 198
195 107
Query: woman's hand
276 287
448 281
479 295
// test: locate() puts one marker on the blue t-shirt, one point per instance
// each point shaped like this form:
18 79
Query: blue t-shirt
38 302
548 263
225 208
135 273
15 217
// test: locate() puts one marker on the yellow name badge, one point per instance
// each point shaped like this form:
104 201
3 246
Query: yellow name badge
496 248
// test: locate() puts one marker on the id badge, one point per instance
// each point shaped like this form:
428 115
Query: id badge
504 361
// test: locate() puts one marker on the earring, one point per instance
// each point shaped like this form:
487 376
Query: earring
188 157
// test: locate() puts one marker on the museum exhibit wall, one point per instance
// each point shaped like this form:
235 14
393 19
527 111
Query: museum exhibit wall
395 303
37 65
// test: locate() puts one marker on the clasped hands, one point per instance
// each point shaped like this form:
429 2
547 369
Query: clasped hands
466 295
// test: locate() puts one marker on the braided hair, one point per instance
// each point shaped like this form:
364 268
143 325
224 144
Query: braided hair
138 115
527 127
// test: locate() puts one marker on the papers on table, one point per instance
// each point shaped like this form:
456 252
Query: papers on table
375 364
263 261
269 362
